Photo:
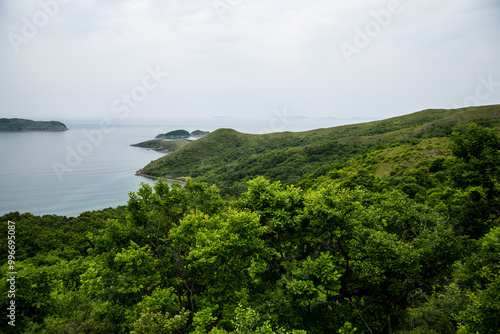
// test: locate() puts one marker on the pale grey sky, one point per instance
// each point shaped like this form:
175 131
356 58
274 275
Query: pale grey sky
319 58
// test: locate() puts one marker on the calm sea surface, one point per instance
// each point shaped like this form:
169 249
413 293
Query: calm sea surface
84 169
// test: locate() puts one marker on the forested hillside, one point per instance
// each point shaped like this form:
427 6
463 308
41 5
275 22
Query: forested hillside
399 233
229 158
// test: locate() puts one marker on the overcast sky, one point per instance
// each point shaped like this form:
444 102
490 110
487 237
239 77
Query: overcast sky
241 58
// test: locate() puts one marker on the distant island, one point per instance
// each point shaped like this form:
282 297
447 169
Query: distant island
18 124
182 134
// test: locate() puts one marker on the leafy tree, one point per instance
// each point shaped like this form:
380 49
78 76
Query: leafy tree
477 170
481 275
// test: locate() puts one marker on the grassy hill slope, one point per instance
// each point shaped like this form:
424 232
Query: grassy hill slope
229 158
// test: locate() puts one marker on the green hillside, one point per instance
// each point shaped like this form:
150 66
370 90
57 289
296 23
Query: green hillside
229 158
18 124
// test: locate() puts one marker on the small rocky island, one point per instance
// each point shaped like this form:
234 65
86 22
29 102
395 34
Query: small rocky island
171 141
19 124
182 134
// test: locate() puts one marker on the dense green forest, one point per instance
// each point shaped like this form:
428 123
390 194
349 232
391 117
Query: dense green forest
397 235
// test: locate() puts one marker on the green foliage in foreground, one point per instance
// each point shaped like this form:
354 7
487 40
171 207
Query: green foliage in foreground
416 250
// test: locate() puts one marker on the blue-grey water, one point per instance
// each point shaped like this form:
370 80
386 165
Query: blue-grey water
91 167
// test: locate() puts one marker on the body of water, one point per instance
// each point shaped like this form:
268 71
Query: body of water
91 166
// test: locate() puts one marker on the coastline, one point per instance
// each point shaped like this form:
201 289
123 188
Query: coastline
157 149
181 180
